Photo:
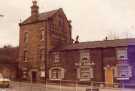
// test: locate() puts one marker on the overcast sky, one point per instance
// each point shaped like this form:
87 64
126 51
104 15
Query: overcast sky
91 19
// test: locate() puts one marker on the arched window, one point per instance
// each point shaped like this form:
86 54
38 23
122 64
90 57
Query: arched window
56 73
84 61
84 57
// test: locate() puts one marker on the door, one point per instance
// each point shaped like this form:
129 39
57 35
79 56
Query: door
109 76
34 76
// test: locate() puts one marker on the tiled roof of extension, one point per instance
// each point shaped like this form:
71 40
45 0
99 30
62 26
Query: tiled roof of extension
100 44
42 16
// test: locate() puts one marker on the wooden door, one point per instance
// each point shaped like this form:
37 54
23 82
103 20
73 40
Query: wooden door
109 76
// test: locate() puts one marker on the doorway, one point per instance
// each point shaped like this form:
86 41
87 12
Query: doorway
109 76
34 76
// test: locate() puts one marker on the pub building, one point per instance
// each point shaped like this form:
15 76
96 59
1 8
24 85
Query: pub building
47 51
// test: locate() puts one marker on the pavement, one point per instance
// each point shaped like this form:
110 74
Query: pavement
21 86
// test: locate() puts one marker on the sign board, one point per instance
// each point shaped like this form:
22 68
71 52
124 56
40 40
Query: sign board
42 74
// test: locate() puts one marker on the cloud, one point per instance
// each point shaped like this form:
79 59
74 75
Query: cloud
89 17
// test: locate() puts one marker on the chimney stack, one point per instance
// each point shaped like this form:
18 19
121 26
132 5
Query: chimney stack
34 9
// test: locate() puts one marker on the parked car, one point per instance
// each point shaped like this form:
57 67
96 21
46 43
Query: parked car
4 83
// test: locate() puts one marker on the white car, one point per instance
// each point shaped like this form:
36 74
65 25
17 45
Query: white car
4 83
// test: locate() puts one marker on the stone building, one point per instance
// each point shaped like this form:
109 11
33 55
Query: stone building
47 52
39 34
8 62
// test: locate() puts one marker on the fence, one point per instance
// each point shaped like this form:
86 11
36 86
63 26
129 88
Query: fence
25 86
59 86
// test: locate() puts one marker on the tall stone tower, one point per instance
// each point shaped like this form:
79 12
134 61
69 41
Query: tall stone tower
39 34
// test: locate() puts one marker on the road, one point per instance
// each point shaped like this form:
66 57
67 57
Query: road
19 86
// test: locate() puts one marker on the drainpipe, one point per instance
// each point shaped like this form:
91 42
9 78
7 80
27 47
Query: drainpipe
45 61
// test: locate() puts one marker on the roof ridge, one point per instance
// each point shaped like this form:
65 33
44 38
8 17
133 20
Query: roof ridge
108 40
42 16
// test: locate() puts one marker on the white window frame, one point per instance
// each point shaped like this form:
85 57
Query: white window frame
89 71
122 52
119 72
60 76
85 64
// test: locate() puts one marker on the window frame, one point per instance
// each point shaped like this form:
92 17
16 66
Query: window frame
120 71
26 37
122 54
25 56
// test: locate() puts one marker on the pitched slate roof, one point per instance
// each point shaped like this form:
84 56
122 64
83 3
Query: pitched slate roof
41 17
100 44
